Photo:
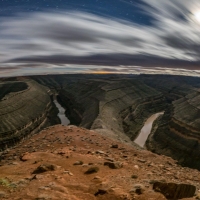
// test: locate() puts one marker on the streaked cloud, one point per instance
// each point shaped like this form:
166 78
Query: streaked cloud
58 42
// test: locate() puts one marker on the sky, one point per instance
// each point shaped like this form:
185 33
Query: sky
99 36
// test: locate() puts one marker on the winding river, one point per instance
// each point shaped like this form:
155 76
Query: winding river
140 140
146 129
61 114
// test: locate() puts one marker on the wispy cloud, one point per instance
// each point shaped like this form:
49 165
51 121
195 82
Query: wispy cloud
40 40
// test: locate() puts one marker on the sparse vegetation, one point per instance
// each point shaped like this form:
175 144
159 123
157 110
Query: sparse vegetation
4 182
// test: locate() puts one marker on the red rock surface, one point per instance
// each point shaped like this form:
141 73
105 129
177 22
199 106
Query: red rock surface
62 146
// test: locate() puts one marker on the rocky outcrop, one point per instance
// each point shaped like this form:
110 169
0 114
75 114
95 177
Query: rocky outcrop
44 168
25 112
48 169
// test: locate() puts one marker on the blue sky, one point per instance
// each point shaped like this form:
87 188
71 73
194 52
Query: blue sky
99 36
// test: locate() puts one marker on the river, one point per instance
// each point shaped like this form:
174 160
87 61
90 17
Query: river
146 129
61 114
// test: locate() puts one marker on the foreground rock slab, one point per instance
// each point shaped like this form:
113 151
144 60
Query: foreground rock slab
175 191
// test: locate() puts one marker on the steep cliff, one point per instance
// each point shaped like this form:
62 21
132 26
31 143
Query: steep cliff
177 133
24 110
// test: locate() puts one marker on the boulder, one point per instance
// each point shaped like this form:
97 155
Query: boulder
92 170
79 162
44 168
26 156
139 188
115 146
175 191
114 165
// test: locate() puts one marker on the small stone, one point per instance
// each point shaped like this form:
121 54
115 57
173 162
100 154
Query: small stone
92 170
114 165
198 196
78 162
100 152
142 161
2 194
134 176
110 159
14 163
26 156
96 177
90 163
139 188
136 166
85 165
44 168
100 192
152 181
115 146
70 174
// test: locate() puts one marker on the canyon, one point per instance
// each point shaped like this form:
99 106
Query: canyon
113 105
116 107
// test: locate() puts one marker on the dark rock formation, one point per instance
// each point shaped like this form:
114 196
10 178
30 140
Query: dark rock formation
24 112
176 134
114 165
44 168
11 88
175 191
92 170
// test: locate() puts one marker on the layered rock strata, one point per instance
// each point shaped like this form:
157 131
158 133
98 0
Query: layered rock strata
119 105
24 112
111 105
177 133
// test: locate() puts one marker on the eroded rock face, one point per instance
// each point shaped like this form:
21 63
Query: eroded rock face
24 110
115 106
118 106
175 191
176 134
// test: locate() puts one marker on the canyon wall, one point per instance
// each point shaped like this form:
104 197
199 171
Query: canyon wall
177 133
109 104
24 111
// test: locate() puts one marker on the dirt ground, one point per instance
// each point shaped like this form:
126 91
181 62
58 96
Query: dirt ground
71 163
